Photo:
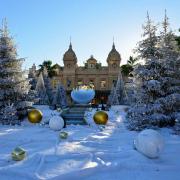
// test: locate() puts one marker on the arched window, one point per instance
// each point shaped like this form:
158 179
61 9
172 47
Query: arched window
114 65
103 84
91 83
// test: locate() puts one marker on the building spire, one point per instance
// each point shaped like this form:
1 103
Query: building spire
113 46
4 27
70 44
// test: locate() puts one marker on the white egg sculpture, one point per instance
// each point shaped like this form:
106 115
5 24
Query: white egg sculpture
150 143
56 123
82 96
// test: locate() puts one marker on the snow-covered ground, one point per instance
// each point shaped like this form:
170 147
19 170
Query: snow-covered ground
89 152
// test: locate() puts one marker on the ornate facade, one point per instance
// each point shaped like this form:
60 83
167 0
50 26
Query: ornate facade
92 73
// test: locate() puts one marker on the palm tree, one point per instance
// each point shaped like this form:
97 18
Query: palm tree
47 64
126 69
49 67
132 61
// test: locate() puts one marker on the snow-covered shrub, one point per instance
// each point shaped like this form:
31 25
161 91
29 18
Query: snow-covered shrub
150 143
8 115
153 85
88 117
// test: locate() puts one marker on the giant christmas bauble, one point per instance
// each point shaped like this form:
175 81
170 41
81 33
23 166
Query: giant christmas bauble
56 123
149 142
100 117
18 154
35 116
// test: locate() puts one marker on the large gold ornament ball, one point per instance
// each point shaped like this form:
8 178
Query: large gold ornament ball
100 117
34 116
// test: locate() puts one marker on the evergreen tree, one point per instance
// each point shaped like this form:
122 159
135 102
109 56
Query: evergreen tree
41 91
60 97
157 96
147 48
177 38
168 44
109 102
14 86
48 86
157 87
33 82
118 95
32 76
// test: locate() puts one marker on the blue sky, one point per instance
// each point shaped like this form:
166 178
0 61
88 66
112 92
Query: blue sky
42 28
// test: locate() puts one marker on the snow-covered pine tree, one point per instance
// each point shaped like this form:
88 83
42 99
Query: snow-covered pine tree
47 84
157 92
170 52
147 48
41 91
157 95
60 99
168 44
111 94
130 92
14 86
118 95
32 76
33 82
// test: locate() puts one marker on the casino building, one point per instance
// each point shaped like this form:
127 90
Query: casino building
92 73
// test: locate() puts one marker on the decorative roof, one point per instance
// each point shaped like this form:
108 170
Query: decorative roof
113 54
70 54
92 60
56 66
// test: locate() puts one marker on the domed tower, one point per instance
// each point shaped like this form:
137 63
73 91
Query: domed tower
70 65
113 60
70 59
91 62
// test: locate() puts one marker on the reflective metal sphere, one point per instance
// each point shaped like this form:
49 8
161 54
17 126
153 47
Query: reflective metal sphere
18 154
35 116
82 96
100 117
63 135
